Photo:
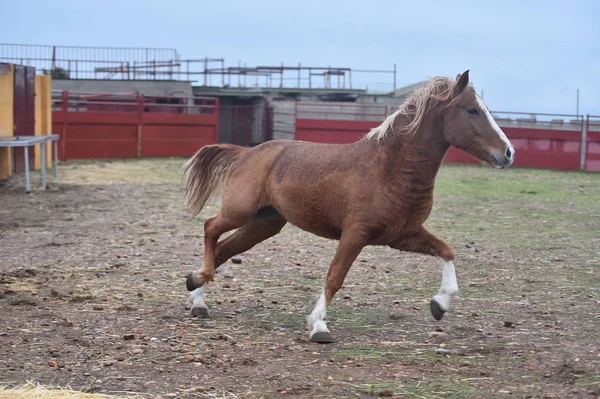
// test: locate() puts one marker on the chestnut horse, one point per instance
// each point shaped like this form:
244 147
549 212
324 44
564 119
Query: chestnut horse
376 191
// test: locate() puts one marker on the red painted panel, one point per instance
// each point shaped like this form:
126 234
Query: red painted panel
332 131
176 140
454 155
87 149
91 132
102 118
592 156
97 141
594 136
180 119
167 132
103 105
546 149
173 148
592 159
94 134
518 132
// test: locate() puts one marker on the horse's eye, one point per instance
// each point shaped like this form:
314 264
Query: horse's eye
473 111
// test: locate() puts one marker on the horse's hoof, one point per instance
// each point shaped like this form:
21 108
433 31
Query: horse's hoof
189 282
436 311
200 312
322 337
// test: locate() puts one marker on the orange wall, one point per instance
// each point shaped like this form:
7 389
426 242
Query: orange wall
43 116
6 116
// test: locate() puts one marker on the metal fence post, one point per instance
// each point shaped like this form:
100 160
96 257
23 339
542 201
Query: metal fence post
65 113
140 123
216 112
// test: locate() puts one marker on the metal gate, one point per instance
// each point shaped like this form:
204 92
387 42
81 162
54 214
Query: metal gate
245 124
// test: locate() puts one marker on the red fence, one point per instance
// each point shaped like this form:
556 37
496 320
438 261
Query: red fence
591 159
540 142
545 144
128 126
336 123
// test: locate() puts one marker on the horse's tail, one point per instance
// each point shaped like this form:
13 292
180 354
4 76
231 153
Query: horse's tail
206 172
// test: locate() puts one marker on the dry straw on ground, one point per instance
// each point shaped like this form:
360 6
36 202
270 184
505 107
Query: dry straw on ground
31 390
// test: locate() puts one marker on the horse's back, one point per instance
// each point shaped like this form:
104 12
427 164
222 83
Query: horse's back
316 186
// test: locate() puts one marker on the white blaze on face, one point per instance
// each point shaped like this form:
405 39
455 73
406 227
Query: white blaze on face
493 122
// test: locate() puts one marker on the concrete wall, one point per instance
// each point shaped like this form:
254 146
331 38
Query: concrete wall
258 120
283 119
6 115
393 102
343 111
146 87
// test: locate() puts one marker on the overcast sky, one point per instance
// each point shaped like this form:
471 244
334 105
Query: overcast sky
526 55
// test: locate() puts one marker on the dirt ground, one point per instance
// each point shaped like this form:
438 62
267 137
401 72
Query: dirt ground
92 294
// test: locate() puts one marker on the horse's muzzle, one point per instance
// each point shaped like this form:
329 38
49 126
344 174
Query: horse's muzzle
504 161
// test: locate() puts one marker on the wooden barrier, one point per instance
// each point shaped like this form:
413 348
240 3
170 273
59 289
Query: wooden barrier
125 126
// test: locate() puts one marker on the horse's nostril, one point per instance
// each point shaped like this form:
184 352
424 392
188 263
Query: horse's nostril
509 153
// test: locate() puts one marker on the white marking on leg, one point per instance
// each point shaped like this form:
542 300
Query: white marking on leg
197 297
449 287
316 320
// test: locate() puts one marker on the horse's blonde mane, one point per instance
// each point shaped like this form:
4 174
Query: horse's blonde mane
439 89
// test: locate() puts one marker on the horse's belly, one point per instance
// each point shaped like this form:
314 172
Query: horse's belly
314 222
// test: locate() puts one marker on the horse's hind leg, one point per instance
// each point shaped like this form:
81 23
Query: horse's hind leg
213 229
262 226
424 242
266 223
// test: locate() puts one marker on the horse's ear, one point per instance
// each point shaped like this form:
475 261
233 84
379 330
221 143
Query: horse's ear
462 80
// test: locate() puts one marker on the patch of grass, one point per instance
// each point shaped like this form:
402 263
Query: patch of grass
115 171
514 182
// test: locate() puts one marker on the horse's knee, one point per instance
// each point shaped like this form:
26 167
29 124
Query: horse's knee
208 230
446 253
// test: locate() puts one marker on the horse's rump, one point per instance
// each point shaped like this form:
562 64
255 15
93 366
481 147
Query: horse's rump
206 171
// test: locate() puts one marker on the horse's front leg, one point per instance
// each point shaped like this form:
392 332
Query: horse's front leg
351 243
424 242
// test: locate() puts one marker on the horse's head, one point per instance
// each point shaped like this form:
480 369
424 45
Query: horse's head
468 125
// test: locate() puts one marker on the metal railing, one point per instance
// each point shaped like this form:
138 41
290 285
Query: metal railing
121 63
131 102
76 62
538 117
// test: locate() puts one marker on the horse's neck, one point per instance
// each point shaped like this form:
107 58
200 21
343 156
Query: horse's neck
418 158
